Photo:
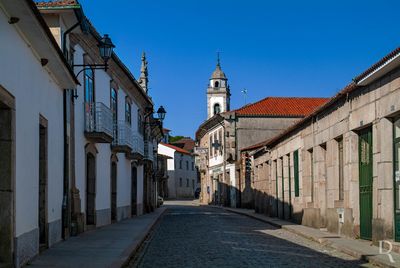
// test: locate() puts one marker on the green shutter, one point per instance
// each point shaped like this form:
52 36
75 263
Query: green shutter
296 172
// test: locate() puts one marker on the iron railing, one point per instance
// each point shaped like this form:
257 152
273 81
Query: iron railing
123 135
98 118
148 151
138 144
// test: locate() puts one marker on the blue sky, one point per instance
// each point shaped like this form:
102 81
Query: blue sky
271 48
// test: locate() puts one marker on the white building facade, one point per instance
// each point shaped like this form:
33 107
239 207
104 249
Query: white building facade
182 174
33 81
78 143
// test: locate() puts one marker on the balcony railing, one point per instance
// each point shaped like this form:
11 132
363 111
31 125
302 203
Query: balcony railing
98 122
123 137
148 151
138 144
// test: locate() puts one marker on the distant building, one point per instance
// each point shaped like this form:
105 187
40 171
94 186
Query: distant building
182 174
220 138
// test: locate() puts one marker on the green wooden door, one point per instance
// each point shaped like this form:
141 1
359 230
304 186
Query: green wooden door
365 182
396 135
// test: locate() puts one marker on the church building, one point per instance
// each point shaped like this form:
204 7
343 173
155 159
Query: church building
220 138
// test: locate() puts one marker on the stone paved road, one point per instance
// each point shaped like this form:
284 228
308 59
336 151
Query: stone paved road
198 236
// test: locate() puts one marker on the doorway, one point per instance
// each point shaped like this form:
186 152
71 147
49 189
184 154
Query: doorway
134 191
43 227
7 177
365 183
90 189
396 165
113 191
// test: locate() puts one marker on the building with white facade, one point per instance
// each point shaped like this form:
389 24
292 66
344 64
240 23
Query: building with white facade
182 174
78 141
34 82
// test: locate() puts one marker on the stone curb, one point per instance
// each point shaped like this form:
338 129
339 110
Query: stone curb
357 254
129 252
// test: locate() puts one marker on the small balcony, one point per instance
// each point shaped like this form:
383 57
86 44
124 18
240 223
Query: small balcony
148 151
98 123
123 138
137 152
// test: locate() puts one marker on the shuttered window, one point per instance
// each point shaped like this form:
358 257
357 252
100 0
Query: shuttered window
296 173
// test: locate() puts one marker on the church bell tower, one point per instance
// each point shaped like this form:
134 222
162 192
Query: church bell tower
218 93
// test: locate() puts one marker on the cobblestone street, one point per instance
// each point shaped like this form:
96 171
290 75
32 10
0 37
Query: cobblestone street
198 236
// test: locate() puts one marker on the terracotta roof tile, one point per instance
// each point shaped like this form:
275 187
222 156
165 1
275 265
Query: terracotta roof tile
180 150
282 106
187 144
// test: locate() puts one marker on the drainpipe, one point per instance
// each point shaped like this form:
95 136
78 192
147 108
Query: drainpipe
64 44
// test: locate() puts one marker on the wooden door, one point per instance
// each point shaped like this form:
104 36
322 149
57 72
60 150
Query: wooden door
43 233
134 191
365 183
113 191
90 189
7 180
396 182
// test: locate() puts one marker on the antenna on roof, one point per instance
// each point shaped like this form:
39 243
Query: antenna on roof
244 91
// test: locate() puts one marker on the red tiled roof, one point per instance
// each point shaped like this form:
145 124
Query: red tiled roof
282 106
180 150
187 144
57 3
349 88
166 130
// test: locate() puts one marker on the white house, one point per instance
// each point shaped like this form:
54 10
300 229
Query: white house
182 174
34 79
112 116
77 141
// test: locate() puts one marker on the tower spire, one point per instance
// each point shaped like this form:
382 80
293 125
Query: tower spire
218 59
144 80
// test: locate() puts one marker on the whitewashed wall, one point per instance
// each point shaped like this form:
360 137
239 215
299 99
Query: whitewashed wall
33 87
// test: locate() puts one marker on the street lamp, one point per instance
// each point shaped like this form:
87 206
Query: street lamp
161 113
106 48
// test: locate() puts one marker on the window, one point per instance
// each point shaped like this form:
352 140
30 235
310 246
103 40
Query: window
296 173
89 85
187 182
187 165
180 164
220 141
113 105
192 166
215 147
128 112
217 108
193 184
140 123
211 147
216 84
341 166
180 182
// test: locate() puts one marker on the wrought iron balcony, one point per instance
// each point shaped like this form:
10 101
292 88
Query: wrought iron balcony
137 152
98 122
148 151
123 138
